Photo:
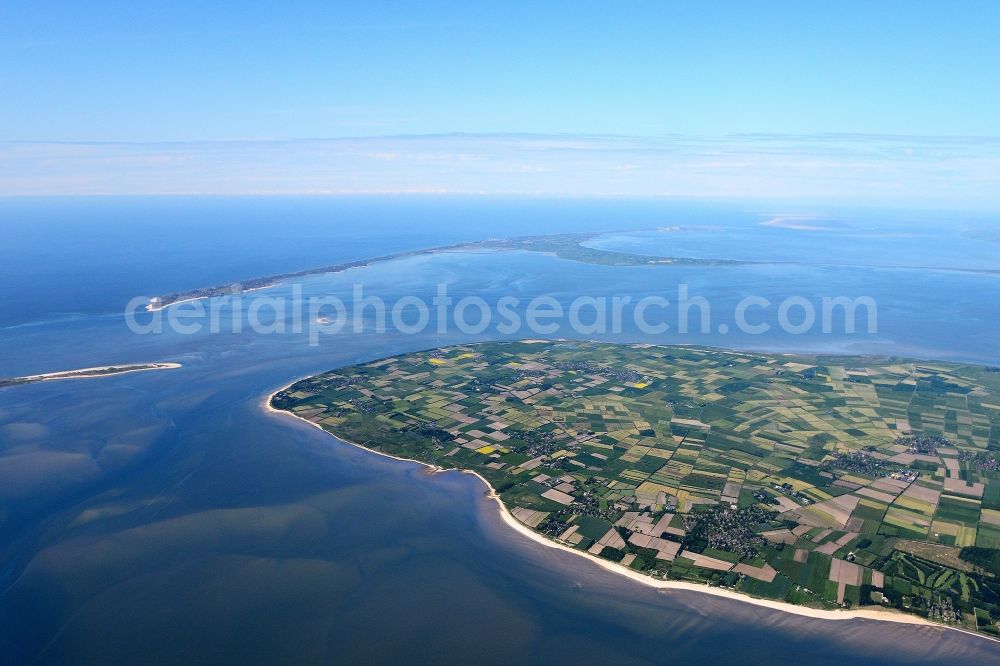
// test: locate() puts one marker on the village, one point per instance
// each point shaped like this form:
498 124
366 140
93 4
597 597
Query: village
833 483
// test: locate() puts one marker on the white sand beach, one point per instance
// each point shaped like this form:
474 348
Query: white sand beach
887 615
101 371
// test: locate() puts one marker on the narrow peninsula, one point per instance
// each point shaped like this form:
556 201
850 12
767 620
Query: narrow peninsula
570 246
565 246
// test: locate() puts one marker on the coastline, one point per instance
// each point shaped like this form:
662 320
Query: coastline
96 372
527 244
156 308
885 615
268 281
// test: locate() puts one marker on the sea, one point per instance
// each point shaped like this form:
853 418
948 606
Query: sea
166 517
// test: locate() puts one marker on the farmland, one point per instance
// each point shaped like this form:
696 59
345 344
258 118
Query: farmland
832 482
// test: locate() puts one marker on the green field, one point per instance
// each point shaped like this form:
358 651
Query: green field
815 480
570 246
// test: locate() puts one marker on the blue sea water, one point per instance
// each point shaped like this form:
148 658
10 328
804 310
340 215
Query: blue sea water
965 241
65 257
157 516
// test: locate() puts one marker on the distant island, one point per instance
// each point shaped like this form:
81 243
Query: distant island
824 482
566 246
86 373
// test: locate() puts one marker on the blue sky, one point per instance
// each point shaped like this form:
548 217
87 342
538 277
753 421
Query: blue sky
205 72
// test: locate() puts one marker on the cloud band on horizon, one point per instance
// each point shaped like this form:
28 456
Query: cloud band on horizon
956 172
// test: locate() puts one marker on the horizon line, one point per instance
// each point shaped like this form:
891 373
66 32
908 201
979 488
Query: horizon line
881 136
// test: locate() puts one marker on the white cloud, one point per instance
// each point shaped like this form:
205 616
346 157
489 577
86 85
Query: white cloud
879 170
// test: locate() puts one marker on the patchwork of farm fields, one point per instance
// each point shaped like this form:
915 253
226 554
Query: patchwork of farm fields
825 481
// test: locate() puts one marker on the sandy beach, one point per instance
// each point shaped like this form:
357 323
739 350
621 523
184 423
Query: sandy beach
885 615
100 371
156 308
798 223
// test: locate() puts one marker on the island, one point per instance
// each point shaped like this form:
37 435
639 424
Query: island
820 483
565 246
569 246
86 373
